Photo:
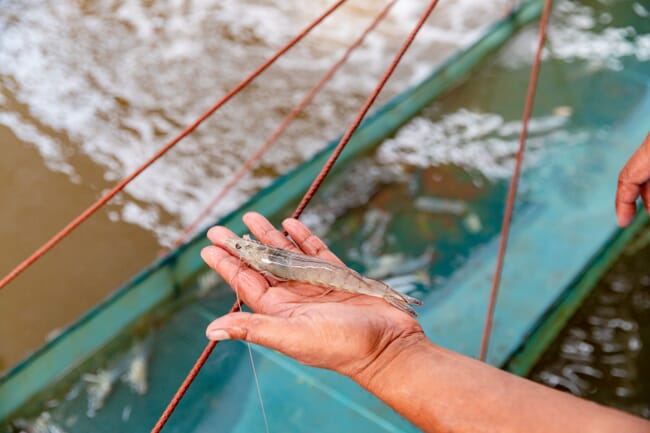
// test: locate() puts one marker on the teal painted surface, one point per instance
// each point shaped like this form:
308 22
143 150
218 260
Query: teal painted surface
559 314
101 325
33 375
568 215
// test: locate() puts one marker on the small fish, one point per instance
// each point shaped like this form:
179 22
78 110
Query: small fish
42 424
131 368
397 264
563 111
289 266
99 388
137 370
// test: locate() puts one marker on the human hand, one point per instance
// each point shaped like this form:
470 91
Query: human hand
334 330
634 180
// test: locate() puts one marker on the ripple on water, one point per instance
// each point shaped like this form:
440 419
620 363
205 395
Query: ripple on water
604 352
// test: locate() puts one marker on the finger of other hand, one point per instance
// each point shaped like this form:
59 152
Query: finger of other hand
645 196
310 243
631 182
626 195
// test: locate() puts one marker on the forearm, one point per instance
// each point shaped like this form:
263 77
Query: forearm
442 391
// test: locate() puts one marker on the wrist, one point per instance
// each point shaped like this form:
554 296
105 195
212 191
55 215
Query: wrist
396 359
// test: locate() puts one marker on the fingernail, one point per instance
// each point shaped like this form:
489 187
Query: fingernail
217 335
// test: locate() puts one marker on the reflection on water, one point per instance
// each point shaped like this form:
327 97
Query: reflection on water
604 352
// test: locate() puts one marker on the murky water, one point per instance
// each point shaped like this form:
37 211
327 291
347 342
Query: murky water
90 89
603 354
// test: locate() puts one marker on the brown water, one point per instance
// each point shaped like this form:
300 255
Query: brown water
90 89
63 284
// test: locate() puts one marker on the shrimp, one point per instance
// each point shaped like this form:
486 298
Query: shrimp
289 266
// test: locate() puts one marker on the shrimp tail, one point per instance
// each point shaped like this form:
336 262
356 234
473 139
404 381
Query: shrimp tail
393 297
411 300
398 301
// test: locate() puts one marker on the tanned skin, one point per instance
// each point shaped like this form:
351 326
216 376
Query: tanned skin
385 350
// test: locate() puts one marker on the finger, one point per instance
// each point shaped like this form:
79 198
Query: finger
637 169
310 243
266 233
219 234
249 285
635 173
277 333
254 328
626 195
645 195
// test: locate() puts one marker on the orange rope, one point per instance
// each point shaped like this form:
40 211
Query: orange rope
248 165
189 379
122 184
512 191
353 127
308 196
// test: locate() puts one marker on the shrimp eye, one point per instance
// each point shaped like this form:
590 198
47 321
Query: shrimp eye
238 246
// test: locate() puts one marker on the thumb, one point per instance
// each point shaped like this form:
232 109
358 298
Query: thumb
255 328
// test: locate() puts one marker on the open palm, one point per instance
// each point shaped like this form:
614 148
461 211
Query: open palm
334 330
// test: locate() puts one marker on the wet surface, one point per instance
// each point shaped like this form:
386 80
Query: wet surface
603 354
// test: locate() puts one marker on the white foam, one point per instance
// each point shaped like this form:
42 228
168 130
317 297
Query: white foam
120 78
478 141
578 33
